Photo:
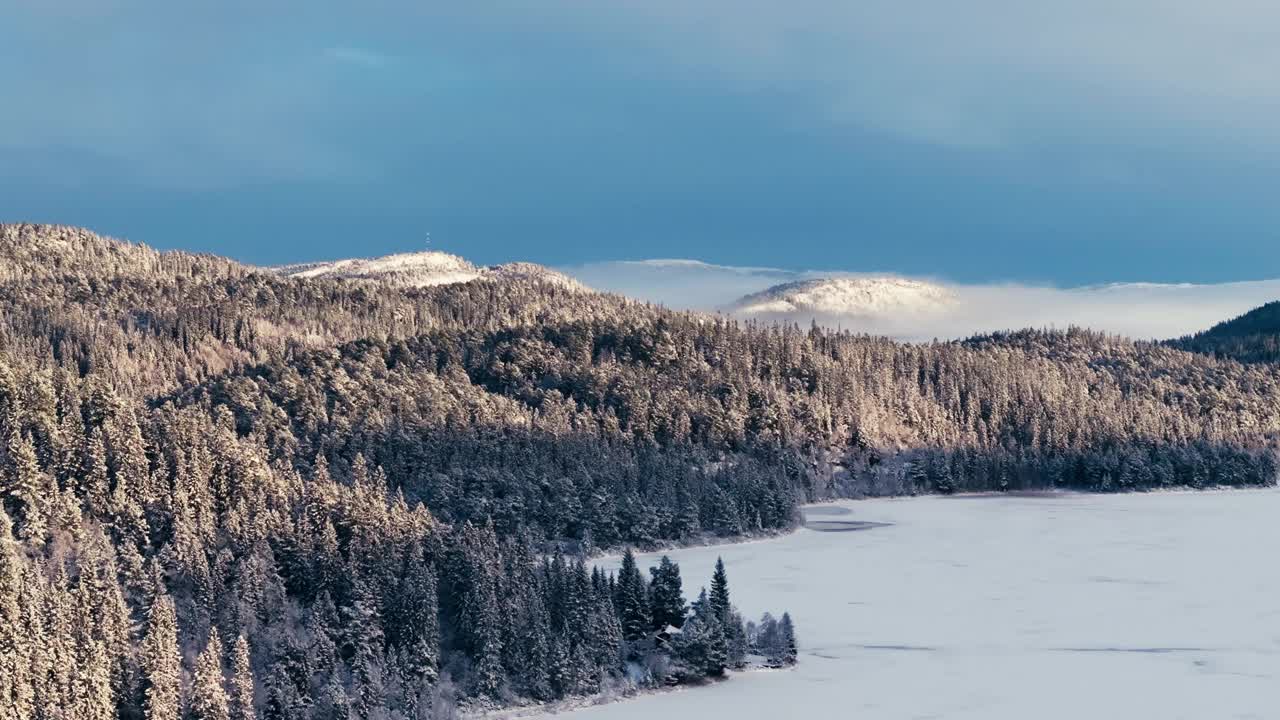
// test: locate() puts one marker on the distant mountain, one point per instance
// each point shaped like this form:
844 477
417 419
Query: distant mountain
419 269
861 297
1251 338
426 269
532 272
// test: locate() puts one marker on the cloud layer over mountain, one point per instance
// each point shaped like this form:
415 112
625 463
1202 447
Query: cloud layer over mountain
1140 310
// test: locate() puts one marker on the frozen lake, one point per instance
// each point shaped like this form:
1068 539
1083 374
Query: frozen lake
1077 606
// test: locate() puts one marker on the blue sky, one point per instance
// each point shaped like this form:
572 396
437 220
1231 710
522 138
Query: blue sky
1044 141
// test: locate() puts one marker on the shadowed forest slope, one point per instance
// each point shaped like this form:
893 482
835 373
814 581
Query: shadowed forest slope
1251 338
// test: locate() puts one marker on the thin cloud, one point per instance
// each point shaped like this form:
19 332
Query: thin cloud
358 56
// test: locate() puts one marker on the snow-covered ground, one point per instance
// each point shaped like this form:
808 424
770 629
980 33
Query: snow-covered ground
1162 605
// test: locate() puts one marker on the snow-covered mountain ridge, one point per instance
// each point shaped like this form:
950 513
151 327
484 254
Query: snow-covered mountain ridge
848 296
426 269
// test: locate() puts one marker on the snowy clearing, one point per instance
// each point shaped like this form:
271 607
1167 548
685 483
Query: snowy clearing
1069 606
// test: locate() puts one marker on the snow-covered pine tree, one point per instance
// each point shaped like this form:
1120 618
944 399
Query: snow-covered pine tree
95 485
320 626
161 663
790 651
208 687
415 626
685 522
702 646
724 520
16 693
92 695
473 567
59 690
719 598
633 607
36 643
583 628
666 595
284 699
717 658
606 635
560 673
241 695
26 487
534 633
730 621
363 645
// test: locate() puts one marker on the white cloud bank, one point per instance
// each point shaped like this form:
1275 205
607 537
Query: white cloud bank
1138 310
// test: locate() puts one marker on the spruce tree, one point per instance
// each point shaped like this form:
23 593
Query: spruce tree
607 631
284 700
560 669
666 596
633 607
416 624
719 598
60 644
700 647
474 566
16 692
208 687
789 650
241 696
92 694
364 644
94 482
489 675
535 650
690 650
717 645
321 622
37 646
161 663
27 488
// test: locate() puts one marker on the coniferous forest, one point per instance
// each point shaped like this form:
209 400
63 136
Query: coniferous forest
230 494
1251 338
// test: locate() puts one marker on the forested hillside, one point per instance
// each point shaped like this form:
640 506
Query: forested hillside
238 494
1251 338
151 322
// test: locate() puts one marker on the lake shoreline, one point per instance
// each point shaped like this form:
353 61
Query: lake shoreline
621 697
954 593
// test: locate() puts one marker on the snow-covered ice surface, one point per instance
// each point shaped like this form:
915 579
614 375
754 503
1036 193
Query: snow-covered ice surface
1163 605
